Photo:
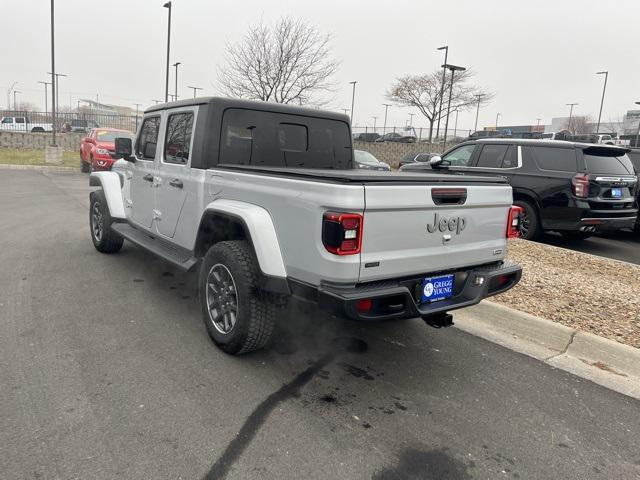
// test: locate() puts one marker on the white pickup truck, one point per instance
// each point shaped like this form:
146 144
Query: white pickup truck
22 124
264 200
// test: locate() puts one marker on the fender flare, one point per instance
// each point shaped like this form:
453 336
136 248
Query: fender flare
112 187
259 227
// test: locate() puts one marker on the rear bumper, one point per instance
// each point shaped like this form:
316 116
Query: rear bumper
599 224
395 299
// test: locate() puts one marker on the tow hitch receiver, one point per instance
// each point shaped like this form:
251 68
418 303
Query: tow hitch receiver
439 320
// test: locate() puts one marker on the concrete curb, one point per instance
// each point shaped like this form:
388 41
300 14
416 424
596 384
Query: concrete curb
55 168
603 361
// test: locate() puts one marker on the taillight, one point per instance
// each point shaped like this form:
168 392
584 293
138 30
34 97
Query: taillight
342 233
580 183
514 221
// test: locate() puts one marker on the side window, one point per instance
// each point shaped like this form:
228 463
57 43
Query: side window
148 138
492 156
511 157
461 156
553 158
423 157
19 119
293 138
7 120
178 138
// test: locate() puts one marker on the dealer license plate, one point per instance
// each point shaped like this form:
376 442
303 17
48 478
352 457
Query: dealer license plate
616 192
437 288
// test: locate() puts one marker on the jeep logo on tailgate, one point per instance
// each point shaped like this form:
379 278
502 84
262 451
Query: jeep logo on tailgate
454 224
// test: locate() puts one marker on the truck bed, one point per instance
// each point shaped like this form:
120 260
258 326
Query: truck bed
368 176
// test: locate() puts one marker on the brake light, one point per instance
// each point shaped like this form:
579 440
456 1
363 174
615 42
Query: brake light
580 183
514 221
342 233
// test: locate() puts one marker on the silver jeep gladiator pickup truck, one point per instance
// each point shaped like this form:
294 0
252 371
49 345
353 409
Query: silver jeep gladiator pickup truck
264 199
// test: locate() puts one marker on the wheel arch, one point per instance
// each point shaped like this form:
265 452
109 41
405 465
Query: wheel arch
527 197
235 220
111 184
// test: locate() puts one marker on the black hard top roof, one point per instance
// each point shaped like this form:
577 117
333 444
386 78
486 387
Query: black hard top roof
224 103
551 143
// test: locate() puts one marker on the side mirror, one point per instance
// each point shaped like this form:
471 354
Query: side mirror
435 161
124 148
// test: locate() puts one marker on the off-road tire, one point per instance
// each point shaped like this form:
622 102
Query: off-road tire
255 315
532 220
108 241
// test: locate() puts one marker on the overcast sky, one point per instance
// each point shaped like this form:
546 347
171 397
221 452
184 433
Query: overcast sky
535 56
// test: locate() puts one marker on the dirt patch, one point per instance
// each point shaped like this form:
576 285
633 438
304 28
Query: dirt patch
581 291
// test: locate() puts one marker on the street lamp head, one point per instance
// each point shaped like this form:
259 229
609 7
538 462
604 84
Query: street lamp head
167 5
446 47
353 83
601 73
453 68
637 103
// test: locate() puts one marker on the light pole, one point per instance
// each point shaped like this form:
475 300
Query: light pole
386 109
478 96
166 85
497 116
455 128
444 73
15 106
176 90
194 90
538 124
411 115
46 101
345 110
57 93
353 99
453 69
375 119
604 89
638 131
54 87
570 105
137 106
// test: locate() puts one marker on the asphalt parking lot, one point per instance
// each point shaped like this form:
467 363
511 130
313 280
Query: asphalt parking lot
106 371
622 245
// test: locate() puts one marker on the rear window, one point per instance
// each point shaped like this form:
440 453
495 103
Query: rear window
609 165
557 159
257 138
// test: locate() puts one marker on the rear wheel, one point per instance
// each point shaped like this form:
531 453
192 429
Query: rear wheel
238 316
530 220
104 238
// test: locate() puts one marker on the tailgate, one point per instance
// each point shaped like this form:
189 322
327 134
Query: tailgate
411 229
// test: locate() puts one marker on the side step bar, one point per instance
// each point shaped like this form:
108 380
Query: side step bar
179 257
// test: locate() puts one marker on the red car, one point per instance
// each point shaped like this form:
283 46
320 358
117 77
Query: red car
97 149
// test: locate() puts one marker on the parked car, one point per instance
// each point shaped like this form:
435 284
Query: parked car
576 189
79 125
97 151
367 161
605 139
22 124
266 203
366 137
410 158
397 137
634 156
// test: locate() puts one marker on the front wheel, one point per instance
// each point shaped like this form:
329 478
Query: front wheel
238 316
104 238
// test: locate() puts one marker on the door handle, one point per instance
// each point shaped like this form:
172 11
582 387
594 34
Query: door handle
176 183
148 177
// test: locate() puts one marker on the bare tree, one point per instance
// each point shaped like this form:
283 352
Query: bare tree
26 107
423 93
580 124
287 62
